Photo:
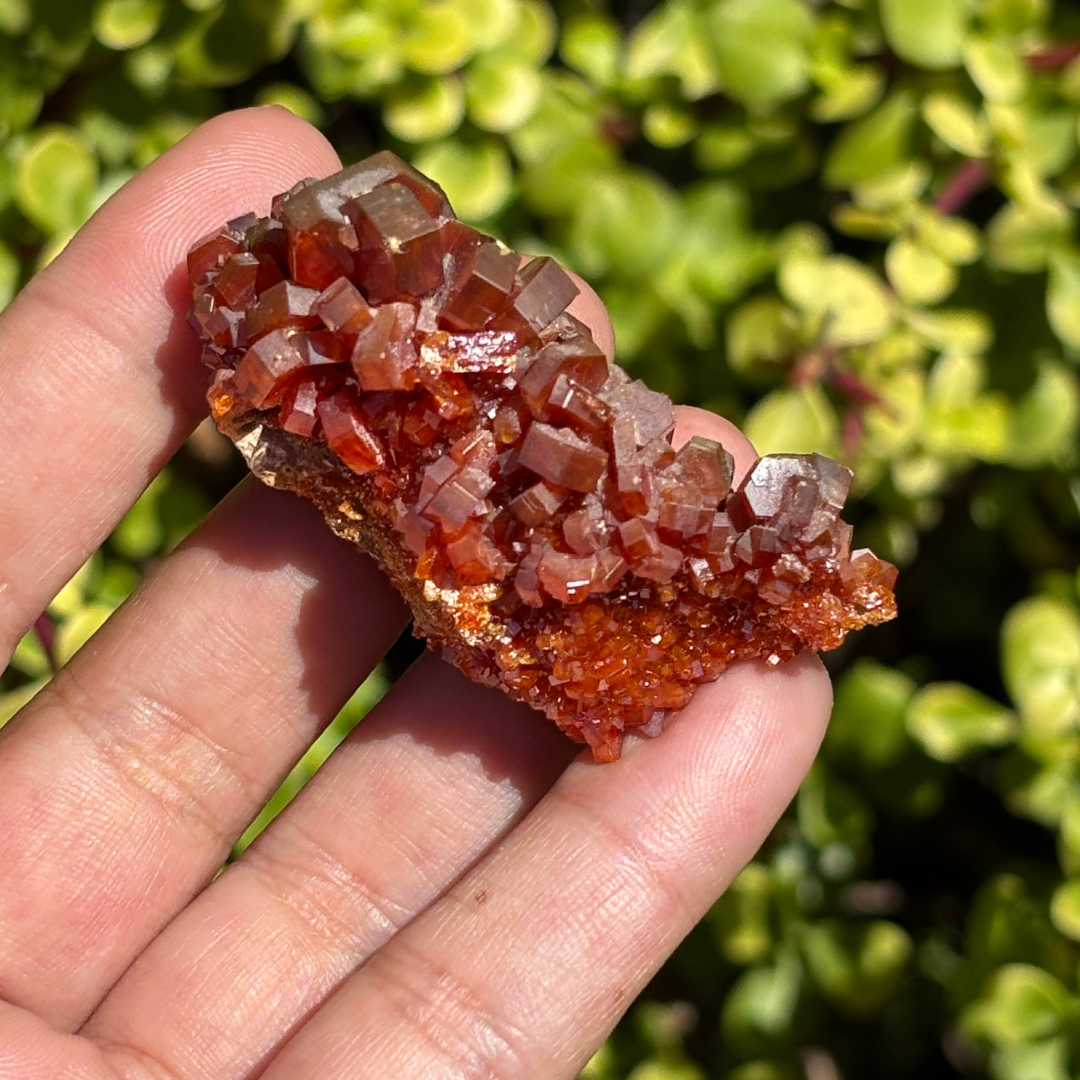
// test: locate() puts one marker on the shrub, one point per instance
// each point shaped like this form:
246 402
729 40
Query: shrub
849 225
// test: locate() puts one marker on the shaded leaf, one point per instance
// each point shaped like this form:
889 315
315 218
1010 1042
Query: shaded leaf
762 48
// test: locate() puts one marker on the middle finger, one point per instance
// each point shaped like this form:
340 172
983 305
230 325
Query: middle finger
126 780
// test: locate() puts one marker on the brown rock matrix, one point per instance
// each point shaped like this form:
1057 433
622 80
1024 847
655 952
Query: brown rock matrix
426 388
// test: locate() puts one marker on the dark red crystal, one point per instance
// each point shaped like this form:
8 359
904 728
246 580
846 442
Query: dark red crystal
434 398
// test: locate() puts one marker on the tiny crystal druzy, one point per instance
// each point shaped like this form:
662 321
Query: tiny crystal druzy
427 389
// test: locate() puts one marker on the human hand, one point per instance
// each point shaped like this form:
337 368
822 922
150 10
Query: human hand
458 893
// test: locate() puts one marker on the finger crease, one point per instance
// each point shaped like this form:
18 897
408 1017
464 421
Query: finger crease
128 1062
330 899
627 845
158 752
474 1040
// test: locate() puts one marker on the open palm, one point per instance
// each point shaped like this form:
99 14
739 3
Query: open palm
456 894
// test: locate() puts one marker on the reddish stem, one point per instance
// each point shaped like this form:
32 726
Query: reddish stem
851 431
969 178
854 389
1053 57
45 629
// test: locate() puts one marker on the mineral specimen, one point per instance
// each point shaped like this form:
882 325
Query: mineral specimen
427 389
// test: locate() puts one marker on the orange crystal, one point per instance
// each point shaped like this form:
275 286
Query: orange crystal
435 400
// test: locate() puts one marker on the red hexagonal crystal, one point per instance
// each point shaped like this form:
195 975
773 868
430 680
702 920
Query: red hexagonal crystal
431 394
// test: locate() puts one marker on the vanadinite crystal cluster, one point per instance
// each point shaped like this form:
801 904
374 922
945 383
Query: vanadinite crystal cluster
427 389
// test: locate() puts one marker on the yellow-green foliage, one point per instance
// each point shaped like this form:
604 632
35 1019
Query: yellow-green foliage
849 225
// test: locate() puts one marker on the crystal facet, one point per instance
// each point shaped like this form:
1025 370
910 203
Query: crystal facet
433 397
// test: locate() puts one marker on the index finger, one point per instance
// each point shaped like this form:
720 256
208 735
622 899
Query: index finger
98 371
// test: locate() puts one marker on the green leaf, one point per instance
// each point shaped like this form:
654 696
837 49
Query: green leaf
495 23
502 92
426 110
601 1066
532 37
762 49
668 126
559 183
1015 16
846 301
1063 295
851 96
918 273
953 238
1044 1059
741 920
964 331
9 275
1021 237
1037 142
439 40
1021 1003
141 532
875 145
761 331
793 420
961 420
919 475
761 1007
75 631
927 33
950 720
1040 661
591 44
853 220
30 656
996 67
894 190
666 1069
294 98
893 429
14 16
637 313
1046 419
832 813
56 177
953 120
124 24
476 176
720 147
869 715
723 258
14 700
671 40
1065 909
857 967
565 121
599 238
72 596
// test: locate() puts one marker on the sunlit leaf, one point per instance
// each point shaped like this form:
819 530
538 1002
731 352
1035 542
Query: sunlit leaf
927 33
57 174
951 720
793 420
1021 1003
476 176
1040 657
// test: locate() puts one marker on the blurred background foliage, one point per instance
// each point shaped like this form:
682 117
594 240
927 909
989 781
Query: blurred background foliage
849 225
